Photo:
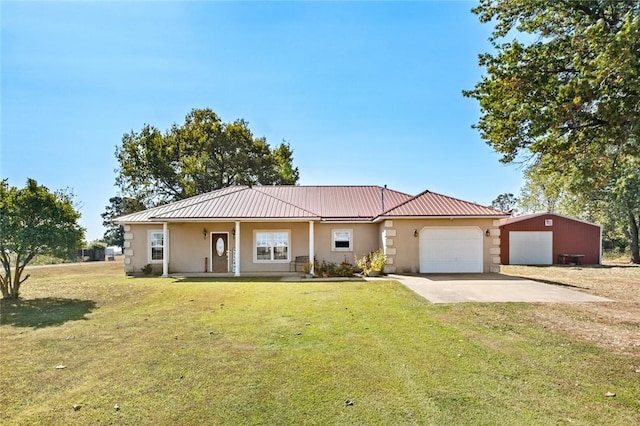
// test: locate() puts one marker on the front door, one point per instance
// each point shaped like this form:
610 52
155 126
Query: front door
220 250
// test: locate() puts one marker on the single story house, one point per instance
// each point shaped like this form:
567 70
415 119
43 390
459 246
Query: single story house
264 229
549 238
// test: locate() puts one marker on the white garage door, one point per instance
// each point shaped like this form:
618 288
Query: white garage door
530 247
451 250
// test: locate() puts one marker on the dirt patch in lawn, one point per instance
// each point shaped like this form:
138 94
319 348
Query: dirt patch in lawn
615 325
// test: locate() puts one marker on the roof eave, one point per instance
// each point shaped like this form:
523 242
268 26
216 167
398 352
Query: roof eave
384 217
235 219
137 222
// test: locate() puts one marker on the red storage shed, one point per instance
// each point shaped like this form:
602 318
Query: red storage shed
548 238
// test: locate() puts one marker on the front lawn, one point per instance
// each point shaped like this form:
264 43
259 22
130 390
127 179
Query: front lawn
170 351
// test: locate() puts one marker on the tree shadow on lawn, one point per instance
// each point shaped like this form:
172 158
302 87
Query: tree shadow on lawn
43 312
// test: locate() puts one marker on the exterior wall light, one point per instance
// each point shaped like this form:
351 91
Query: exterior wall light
415 233
487 233
204 233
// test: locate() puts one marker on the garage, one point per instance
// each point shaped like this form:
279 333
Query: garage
549 238
451 249
531 247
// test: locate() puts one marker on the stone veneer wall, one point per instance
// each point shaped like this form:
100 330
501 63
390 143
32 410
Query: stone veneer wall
495 246
128 251
388 235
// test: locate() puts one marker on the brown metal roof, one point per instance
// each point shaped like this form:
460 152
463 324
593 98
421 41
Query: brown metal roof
245 203
338 202
429 204
328 203
515 219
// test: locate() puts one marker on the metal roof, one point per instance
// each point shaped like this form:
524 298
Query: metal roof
515 219
431 204
329 203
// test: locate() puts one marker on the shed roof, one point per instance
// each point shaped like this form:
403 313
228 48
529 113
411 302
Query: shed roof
515 219
327 203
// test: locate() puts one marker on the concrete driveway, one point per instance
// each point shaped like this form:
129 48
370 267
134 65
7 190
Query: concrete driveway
456 288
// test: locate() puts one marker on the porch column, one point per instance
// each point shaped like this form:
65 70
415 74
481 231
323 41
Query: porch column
311 245
236 272
165 250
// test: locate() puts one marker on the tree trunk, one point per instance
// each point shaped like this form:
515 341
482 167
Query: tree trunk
10 283
15 290
4 285
634 242
5 279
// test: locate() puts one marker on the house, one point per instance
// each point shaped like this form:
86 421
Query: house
264 229
548 238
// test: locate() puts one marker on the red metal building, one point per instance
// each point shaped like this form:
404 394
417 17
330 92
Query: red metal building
548 238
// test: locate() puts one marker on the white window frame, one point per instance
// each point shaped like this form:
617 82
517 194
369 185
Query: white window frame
333 239
150 234
271 231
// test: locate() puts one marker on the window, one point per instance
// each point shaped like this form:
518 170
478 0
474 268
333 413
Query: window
271 246
341 240
156 246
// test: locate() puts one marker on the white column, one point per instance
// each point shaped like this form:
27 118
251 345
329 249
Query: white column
311 245
236 273
165 250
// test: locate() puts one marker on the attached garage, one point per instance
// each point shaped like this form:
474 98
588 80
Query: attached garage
451 249
548 238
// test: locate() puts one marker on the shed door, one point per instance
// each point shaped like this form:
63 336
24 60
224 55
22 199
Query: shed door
451 250
530 247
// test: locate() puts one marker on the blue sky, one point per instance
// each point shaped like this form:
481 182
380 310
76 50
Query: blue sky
365 92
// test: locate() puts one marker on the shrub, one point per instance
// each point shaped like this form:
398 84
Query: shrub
307 267
372 262
330 269
345 270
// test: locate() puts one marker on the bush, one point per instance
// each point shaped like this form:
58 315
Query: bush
330 269
345 269
372 262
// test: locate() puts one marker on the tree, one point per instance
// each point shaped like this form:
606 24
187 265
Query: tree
118 206
543 191
33 221
505 202
565 92
624 198
201 155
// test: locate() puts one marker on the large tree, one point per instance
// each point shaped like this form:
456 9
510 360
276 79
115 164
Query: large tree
562 89
33 221
201 155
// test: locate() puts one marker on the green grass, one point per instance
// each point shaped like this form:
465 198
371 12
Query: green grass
259 352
